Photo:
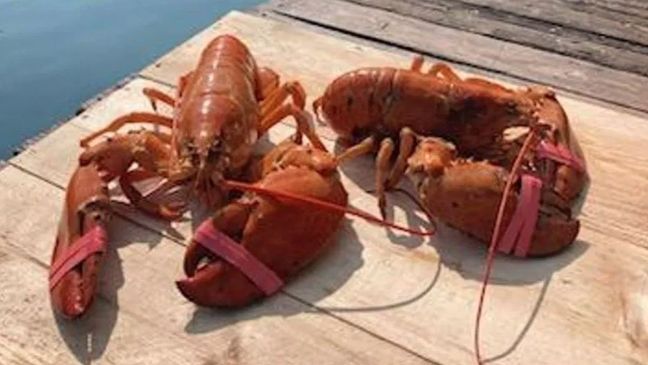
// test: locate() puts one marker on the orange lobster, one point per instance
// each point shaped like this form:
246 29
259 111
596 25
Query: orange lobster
222 272
221 109
515 189
462 171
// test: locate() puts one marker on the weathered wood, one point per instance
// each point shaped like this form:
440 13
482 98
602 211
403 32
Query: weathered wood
421 294
577 15
32 336
139 317
526 63
638 9
501 24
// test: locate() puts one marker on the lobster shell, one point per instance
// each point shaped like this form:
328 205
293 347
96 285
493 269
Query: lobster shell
260 224
392 110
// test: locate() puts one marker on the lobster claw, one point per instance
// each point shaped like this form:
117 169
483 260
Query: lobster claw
80 243
201 280
232 277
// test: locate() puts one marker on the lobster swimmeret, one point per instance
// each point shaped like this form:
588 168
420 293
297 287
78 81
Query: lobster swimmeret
221 109
457 139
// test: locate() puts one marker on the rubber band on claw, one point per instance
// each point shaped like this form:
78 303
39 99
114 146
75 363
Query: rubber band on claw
223 246
92 242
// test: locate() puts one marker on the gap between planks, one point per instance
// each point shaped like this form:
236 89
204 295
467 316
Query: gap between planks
579 15
524 63
500 23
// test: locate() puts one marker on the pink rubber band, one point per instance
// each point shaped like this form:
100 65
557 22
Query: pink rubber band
561 154
520 230
94 241
222 245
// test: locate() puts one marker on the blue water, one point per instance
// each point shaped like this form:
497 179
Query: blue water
54 55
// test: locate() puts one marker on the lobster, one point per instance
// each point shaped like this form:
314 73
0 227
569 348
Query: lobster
244 252
483 157
458 140
221 109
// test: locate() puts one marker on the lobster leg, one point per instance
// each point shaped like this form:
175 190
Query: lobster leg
168 212
417 63
280 94
155 95
363 148
137 117
382 171
406 147
448 73
303 124
486 83
268 82
386 178
183 81
445 71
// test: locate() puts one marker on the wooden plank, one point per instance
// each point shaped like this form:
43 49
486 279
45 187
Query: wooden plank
539 311
32 335
525 63
638 9
501 24
140 318
574 14
266 11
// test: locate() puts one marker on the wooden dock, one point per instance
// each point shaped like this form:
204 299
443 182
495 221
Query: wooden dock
377 297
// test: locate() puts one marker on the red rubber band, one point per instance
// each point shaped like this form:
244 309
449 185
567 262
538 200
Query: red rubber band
520 230
325 205
222 245
515 170
561 154
94 241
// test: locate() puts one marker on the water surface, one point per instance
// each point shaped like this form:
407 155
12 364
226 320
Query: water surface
54 55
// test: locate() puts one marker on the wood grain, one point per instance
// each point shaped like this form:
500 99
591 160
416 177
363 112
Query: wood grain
580 15
638 9
501 24
32 336
528 64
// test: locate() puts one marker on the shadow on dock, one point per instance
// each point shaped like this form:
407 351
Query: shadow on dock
87 337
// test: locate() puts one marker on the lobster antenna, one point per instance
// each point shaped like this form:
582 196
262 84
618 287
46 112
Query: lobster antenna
324 204
515 171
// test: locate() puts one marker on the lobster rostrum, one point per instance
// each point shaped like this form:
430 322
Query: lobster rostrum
221 108
458 139
245 251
